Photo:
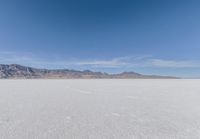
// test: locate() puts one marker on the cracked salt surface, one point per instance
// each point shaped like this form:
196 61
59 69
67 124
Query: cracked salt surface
116 114
99 109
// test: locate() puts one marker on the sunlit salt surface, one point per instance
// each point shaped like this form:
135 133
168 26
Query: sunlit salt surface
100 109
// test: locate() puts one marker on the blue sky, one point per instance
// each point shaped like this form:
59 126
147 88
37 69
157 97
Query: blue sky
151 37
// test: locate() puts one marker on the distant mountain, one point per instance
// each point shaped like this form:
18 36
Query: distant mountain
15 71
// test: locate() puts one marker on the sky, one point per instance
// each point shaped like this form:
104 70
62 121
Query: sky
147 36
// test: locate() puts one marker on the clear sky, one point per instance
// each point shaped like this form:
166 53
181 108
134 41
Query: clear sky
147 36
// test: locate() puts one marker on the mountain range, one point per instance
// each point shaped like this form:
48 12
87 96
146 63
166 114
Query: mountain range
15 71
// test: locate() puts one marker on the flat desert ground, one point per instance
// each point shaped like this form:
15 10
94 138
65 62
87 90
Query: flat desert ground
100 109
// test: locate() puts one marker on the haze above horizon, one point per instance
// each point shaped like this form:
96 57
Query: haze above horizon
150 37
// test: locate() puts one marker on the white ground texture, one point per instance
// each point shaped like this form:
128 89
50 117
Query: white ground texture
100 109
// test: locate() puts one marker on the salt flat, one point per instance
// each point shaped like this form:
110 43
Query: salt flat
100 109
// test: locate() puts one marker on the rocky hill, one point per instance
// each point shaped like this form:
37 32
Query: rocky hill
15 71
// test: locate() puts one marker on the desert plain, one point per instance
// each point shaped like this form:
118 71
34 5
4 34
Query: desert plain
100 109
